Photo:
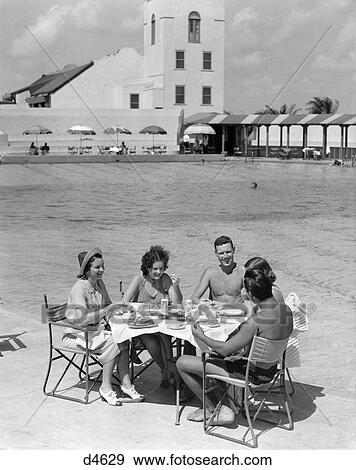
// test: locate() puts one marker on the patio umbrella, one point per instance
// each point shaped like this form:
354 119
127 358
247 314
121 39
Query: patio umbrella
200 129
81 130
37 130
117 130
154 130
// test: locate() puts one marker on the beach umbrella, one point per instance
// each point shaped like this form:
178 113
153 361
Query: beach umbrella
116 130
200 128
154 130
37 130
81 130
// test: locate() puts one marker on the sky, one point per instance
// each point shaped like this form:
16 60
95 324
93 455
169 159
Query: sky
276 51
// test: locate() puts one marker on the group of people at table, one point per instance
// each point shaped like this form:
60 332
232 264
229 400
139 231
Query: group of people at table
33 150
227 283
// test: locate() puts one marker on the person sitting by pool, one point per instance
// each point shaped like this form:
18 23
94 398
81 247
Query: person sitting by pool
44 149
272 320
224 281
87 305
151 286
262 265
33 150
123 148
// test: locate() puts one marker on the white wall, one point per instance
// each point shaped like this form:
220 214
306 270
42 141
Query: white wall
172 35
3 143
14 120
97 86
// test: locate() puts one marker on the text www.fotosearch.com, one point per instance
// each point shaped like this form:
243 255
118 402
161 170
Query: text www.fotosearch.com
176 460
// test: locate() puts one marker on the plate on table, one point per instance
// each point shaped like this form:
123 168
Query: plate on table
231 312
178 326
138 326
212 325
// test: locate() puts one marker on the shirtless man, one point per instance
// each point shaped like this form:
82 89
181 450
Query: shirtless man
224 281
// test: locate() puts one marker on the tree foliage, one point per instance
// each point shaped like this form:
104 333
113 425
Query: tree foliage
322 105
284 109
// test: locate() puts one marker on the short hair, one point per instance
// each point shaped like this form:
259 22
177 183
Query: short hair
262 265
222 241
258 284
81 257
155 253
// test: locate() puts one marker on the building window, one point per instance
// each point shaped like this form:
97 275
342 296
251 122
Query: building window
194 27
134 101
206 60
180 94
179 59
206 95
153 30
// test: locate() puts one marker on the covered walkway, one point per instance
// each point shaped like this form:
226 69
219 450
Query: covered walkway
237 131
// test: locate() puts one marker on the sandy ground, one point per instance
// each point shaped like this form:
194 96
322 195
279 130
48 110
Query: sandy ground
324 415
315 260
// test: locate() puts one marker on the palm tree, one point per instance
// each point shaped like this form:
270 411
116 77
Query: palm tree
267 110
291 109
284 109
322 105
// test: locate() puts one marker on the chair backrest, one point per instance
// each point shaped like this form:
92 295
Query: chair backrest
54 312
266 350
300 318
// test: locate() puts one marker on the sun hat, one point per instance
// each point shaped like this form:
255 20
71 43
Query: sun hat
84 257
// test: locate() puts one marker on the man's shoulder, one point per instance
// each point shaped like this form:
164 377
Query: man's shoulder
211 271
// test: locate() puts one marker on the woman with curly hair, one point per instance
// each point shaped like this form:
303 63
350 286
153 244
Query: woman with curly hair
151 286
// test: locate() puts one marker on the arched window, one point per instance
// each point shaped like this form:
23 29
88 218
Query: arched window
153 29
194 27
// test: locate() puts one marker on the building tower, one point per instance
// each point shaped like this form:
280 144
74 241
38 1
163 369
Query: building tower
184 55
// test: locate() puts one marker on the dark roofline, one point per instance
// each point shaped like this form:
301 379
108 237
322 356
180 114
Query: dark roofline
52 82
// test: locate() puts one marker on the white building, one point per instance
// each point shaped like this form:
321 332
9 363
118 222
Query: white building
182 65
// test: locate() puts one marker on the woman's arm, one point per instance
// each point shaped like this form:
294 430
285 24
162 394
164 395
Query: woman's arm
174 292
225 348
277 295
201 287
77 311
133 290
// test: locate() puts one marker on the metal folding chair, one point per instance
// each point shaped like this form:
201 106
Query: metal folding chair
257 399
82 360
300 324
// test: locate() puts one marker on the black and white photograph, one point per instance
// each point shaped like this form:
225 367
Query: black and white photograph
177 233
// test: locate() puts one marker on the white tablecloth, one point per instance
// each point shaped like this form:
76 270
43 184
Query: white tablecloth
122 332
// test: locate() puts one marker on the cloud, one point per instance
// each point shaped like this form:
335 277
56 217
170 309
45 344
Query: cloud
45 31
249 59
63 20
341 53
245 18
86 15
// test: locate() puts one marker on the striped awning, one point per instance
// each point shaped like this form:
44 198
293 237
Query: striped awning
272 119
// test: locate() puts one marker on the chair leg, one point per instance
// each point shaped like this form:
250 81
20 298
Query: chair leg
209 427
248 417
50 360
290 382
